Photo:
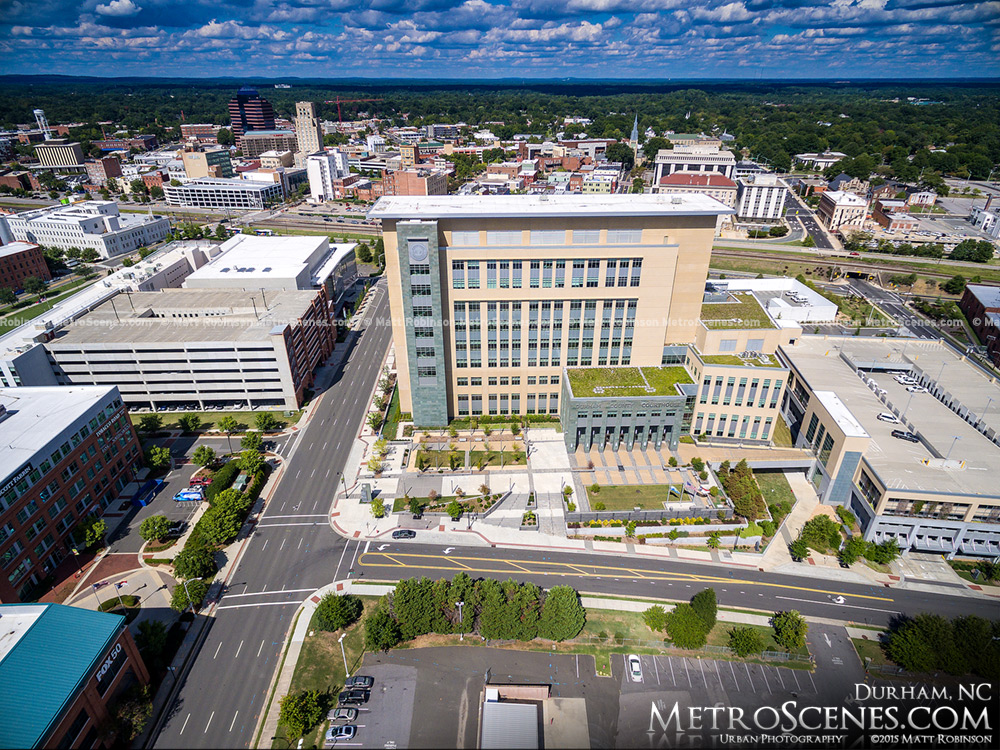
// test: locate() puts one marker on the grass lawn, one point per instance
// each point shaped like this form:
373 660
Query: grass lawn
321 667
782 436
774 487
965 570
744 312
210 419
439 459
627 496
626 381
473 503
719 636
872 650
391 426
23 314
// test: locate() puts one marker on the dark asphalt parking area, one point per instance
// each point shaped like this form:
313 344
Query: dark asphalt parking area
448 683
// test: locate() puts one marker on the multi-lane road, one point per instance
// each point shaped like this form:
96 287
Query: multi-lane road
292 552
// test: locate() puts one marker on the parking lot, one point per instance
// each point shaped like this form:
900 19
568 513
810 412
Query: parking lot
689 682
441 687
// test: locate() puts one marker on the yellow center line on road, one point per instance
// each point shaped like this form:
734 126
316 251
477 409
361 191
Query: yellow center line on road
434 562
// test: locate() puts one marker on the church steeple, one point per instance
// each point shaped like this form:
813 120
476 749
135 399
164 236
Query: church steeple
635 131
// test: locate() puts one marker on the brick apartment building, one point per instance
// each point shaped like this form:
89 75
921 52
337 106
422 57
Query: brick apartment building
415 182
981 305
67 453
18 261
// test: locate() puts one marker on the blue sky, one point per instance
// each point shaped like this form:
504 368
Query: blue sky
503 38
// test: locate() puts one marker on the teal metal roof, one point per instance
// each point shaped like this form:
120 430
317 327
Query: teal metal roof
41 674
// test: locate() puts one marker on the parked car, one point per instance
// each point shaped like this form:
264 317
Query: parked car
635 668
404 534
904 435
353 697
887 417
344 732
359 681
856 255
200 481
342 714
916 389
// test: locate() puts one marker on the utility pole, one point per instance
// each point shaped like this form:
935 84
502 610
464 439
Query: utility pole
461 632
343 653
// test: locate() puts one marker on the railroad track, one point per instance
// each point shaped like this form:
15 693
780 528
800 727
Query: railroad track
844 262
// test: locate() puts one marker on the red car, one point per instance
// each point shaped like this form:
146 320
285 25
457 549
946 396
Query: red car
200 481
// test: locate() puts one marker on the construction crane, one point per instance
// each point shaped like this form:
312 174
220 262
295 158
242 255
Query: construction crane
338 101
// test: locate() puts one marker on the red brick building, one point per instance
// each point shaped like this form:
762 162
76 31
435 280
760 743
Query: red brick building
18 261
16 180
415 182
101 170
981 305
67 452
156 178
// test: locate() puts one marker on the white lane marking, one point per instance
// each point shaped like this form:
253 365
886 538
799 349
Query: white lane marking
300 543
336 573
832 604
282 545
752 688
265 545
381 547
367 545
273 525
260 649
184 726
257 604
209 722
328 473
238 649
234 721
217 650
302 515
312 474
355 554
326 444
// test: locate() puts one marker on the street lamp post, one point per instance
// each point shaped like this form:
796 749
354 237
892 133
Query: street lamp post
983 415
903 415
461 633
188 593
957 438
343 653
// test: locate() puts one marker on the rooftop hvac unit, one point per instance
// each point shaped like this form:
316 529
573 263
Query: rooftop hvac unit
676 199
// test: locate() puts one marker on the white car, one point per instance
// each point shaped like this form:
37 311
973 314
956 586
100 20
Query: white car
887 417
634 668
916 389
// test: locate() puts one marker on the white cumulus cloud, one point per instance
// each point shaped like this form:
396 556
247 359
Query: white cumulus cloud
120 8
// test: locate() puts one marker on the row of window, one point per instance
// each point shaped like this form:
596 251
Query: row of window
727 426
547 237
542 274
512 380
507 403
821 446
727 389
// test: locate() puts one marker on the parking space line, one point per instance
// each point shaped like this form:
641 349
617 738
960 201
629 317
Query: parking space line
731 669
778 670
813 682
655 669
752 689
702 665
763 674
687 671
717 672
797 687
673 680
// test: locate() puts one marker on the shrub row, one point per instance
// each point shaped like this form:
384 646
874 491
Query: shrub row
222 480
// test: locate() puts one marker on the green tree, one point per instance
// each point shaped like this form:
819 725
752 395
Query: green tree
954 285
150 422
799 549
655 618
90 531
157 457
34 285
266 421
852 550
7 296
179 597
413 607
685 627
744 640
300 712
414 506
790 630
884 552
156 193
89 255
127 262
252 441
381 631
154 527
194 562
203 456
706 606
363 253
378 507
151 639
336 611
653 145
189 422
562 615
637 185
454 509
907 646
229 425
225 137
132 710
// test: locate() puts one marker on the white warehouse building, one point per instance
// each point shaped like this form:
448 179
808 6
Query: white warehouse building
224 193
322 169
88 224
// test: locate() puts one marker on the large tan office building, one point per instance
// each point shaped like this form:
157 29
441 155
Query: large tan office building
493 296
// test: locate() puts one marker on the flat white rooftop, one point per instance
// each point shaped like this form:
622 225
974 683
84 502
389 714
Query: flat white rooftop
13 248
842 198
15 622
35 416
268 256
841 414
514 206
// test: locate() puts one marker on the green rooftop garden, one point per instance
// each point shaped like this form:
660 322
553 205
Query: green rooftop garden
732 359
743 312
626 381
